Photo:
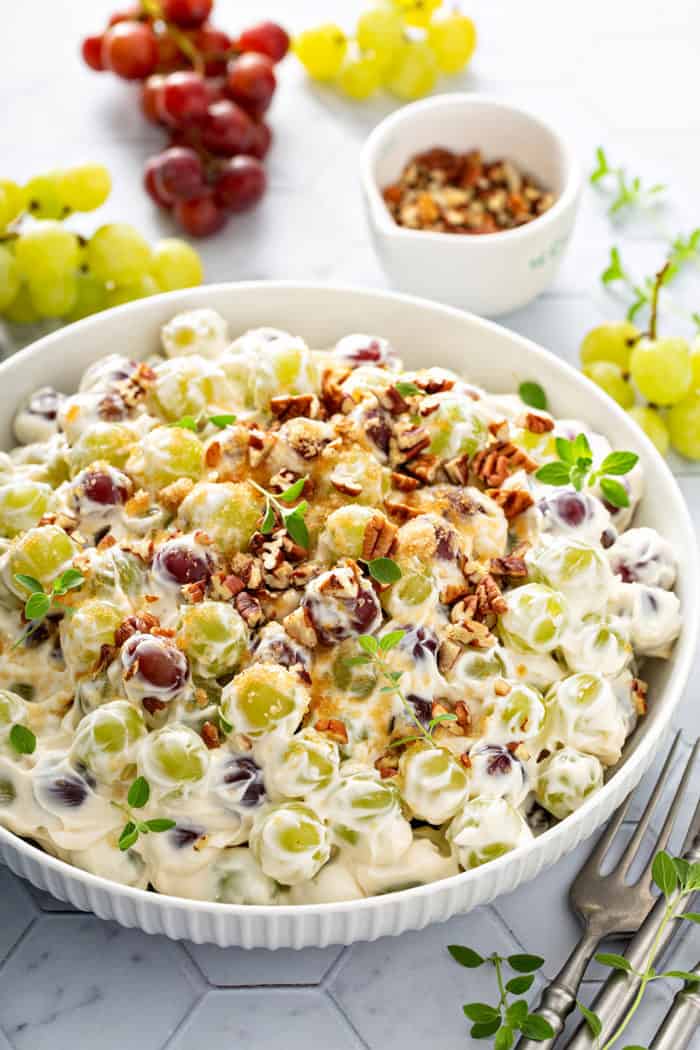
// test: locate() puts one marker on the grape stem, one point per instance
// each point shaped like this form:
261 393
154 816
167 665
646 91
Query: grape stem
653 315
152 9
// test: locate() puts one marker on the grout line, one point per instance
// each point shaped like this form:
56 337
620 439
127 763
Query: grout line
362 1042
505 926
183 1020
22 937
335 966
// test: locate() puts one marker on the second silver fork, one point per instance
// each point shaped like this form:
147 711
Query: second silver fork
607 904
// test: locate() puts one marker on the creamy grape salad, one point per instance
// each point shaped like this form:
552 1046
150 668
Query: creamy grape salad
282 625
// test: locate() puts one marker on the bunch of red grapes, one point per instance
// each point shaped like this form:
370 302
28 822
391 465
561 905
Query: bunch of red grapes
211 93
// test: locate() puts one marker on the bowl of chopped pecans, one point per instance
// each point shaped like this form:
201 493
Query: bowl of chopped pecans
470 201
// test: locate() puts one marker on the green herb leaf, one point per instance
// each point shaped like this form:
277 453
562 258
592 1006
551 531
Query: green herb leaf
578 473
294 491
37 606
160 824
407 389
296 526
390 640
128 836
70 580
142 827
525 963
554 473
224 724
614 492
29 582
484 1029
533 395
691 916
268 522
482 1013
369 643
384 570
504 1038
356 661
614 961
681 975
186 423
619 463
601 169
536 1027
592 1020
565 450
465 956
614 271
516 1013
683 868
22 740
222 421
439 719
520 985
581 448
139 793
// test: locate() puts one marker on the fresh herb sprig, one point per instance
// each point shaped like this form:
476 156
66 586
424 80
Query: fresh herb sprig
532 394
383 570
22 739
138 796
626 192
374 651
408 389
506 1017
40 602
643 293
574 467
292 518
190 423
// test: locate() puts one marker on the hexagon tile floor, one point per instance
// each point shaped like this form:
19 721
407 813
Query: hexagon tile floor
69 981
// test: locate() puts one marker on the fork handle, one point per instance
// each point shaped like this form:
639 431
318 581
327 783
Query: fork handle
682 1020
559 998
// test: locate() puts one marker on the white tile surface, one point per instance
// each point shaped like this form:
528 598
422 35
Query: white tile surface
622 74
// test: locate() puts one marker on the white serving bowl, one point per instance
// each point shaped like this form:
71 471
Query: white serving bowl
490 274
422 333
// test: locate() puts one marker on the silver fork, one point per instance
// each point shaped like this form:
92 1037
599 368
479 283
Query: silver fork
607 904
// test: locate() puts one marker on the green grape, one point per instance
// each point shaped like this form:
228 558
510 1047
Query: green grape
117 252
43 196
354 679
176 265
695 364
290 843
213 636
414 72
610 342
21 310
453 39
652 423
105 737
92 625
609 377
432 782
109 441
47 251
262 698
303 764
43 553
128 293
566 779
164 455
12 202
22 503
380 31
187 386
84 188
9 279
91 297
321 51
684 426
174 756
416 12
661 369
535 618
55 297
227 511
345 530
360 77
12 708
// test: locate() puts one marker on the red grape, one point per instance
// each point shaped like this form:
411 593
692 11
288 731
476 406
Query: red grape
178 174
251 82
241 183
216 87
130 14
92 52
130 49
187 13
150 98
267 38
261 140
179 563
150 185
211 42
201 216
184 99
170 57
227 129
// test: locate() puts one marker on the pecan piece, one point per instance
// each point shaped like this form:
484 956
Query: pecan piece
398 509
343 483
153 705
394 402
249 608
457 469
379 538
295 405
512 565
172 495
404 482
639 695
408 442
332 395
511 501
538 424
387 763
448 655
493 464
425 468
298 626
142 623
210 735
334 728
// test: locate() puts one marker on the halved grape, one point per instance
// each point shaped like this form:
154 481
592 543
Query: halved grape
264 698
104 740
583 712
485 829
91 626
566 779
22 504
228 512
110 442
535 619
174 757
214 636
164 455
43 553
290 842
433 783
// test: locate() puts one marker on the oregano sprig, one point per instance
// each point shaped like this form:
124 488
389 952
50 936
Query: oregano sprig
22 739
196 424
532 394
40 602
626 192
383 570
374 651
292 518
574 467
138 796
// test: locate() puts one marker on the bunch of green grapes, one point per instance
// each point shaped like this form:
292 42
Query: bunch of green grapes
49 271
402 45
657 380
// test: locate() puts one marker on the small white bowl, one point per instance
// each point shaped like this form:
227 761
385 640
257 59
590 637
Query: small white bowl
490 274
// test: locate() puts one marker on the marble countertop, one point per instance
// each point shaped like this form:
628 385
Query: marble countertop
622 74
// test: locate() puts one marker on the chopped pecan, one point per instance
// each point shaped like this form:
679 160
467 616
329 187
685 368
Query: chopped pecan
387 764
452 592
433 384
210 735
249 608
172 495
138 504
398 509
409 441
106 542
448 655
465 760
470 632
501 687
463 717
379 538
295 405
141 623
212 456
303 573
334 728
112 408
489 598
499 429
153 705
457 469
345 484
538 424
233 584
107 654
404 482
194 592
259 446
639 695
283 479
511 501
393 401
248 568
452 727
298 626
512 565
425 467
494 463
332 394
